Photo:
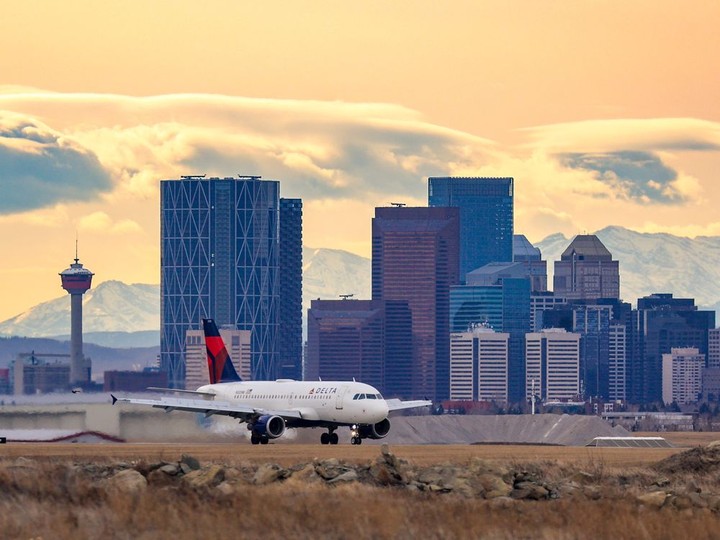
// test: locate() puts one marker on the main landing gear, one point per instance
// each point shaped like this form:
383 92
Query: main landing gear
329 438
258 439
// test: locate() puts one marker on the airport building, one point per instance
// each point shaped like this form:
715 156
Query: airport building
479 365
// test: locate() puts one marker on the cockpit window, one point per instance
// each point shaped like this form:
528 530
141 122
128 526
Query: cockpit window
356 396
370 396
362 396
379 396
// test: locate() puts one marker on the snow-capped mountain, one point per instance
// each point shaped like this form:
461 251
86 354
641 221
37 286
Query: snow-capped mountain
111 306
114 307
655 263
328 273
648 263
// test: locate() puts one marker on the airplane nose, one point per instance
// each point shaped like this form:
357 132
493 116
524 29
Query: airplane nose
383 408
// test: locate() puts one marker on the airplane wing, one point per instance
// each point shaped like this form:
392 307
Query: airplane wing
397 405
208 407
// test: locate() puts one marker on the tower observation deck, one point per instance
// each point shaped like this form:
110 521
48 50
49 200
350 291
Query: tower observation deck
76 280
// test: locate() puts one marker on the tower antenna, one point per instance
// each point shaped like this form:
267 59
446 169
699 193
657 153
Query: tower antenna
76 247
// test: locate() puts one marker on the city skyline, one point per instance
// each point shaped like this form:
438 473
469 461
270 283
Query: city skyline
605 114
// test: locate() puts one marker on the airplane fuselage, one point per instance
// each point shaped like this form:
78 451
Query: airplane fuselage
337 402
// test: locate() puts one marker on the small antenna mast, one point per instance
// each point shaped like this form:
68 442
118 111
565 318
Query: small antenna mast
76 247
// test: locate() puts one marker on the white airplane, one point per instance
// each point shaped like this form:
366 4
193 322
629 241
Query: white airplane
269 407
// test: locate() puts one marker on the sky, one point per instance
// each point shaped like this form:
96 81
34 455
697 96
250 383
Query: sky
605 112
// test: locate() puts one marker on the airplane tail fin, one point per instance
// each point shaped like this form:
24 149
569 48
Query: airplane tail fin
220 365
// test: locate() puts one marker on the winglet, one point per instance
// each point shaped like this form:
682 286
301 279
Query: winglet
114 399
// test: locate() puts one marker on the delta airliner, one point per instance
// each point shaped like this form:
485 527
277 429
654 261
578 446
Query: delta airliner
270 407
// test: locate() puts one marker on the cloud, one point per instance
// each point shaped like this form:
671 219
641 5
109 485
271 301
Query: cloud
569 176
101 222
641 176
40 167
319 150
617 135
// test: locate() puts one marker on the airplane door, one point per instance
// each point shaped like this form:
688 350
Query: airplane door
339 399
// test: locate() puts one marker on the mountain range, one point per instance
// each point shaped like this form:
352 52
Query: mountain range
655 263
116 314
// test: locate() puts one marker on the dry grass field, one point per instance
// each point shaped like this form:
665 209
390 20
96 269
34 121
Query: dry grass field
67 491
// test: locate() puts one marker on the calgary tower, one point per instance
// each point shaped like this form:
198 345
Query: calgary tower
76 280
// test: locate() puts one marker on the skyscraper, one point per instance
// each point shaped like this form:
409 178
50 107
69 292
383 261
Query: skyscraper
479 365
682 370
528 255
290 255
586 271
498 295
486 217
219 259
659 324
346 340
553 365
415 256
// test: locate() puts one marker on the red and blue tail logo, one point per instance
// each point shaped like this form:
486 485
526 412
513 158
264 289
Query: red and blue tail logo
220 365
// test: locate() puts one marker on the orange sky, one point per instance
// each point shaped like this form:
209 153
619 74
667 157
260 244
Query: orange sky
605 112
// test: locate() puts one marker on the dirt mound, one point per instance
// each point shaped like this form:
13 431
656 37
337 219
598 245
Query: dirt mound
701 459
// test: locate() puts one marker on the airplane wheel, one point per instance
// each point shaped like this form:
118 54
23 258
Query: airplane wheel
333 438
264 440
353 440
254 439
325 438
359 440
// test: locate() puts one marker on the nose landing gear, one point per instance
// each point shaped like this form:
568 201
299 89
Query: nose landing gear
355 436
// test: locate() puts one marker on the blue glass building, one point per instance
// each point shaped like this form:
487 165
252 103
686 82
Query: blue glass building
504 306
592 322
219 259
486 217
290 262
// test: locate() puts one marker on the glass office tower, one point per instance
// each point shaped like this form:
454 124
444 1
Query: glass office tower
219 259
291 312
415 260
486 217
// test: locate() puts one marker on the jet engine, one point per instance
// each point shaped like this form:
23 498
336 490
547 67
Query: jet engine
375 431
269 426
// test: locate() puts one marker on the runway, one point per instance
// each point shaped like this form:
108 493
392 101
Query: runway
290 454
